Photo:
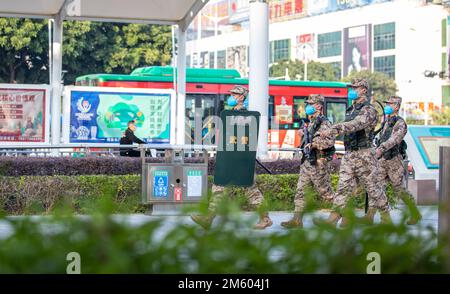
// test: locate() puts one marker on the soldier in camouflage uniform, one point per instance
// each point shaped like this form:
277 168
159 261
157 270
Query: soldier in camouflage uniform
390 146
317 151
254 195
359 161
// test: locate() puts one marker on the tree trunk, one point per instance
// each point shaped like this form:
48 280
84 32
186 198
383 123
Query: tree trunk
12 74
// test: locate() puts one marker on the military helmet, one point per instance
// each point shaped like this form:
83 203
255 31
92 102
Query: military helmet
394 100
356 83
240 90
315 98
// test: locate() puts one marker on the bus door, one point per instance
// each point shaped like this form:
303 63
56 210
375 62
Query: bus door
335 112
200 112
335 109
285 113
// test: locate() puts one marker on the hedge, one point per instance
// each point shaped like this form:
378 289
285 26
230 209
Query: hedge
42 194
70 166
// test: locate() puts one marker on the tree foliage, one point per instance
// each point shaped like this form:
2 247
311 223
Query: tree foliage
316 71
441 117
88 47
23 50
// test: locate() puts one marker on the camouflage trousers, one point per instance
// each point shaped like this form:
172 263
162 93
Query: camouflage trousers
253 194
392 170
317 175
360 165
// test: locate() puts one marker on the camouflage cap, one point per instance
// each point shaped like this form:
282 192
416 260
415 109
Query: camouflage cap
315 98
356 83
394 100
240 90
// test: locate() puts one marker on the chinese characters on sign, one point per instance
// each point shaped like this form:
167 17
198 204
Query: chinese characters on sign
23 115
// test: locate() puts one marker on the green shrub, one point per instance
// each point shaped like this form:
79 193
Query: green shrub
41 194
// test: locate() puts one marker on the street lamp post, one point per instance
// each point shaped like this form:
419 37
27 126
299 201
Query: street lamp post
305 52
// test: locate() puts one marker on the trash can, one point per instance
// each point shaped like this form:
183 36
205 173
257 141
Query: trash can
167 186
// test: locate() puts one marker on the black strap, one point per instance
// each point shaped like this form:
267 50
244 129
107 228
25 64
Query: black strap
384 119
263 166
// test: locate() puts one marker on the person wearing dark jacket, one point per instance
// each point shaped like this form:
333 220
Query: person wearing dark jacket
128 139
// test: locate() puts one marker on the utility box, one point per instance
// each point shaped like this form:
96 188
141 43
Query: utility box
169 185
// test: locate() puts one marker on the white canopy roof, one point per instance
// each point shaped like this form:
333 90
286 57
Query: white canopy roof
178 12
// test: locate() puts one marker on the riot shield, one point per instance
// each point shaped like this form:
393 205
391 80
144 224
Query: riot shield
236 155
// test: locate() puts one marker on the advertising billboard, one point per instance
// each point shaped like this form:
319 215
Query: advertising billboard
281 10
237 59
24 114
96 115
357 49
305 47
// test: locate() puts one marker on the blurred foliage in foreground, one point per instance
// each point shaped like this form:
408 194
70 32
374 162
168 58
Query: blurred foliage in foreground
108 245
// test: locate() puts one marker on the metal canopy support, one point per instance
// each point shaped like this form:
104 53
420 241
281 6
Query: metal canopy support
189 16
56 80
181 86
259 69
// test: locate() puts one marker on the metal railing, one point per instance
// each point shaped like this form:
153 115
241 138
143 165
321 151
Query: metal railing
113 149
74 150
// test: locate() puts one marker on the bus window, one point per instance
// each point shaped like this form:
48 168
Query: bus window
299 111
204 107
209 112
190 115
207 105
221 101
271 111
335 111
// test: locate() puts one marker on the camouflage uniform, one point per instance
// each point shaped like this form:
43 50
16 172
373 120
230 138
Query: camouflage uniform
391 166
317 174
253 194
314 164
359 161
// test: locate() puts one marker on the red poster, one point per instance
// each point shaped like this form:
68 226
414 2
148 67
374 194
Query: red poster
178 193
284 108
23 114
307 38
284 139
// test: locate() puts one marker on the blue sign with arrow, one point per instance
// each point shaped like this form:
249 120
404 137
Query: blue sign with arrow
160 184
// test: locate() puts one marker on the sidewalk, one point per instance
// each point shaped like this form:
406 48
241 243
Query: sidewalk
429 213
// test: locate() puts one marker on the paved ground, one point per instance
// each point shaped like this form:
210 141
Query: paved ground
430 219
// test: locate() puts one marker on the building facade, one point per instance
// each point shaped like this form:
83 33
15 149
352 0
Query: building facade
401 38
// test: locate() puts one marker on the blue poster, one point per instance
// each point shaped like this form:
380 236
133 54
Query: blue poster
160 184
102 117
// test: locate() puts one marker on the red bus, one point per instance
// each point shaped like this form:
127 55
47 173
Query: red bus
208 89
